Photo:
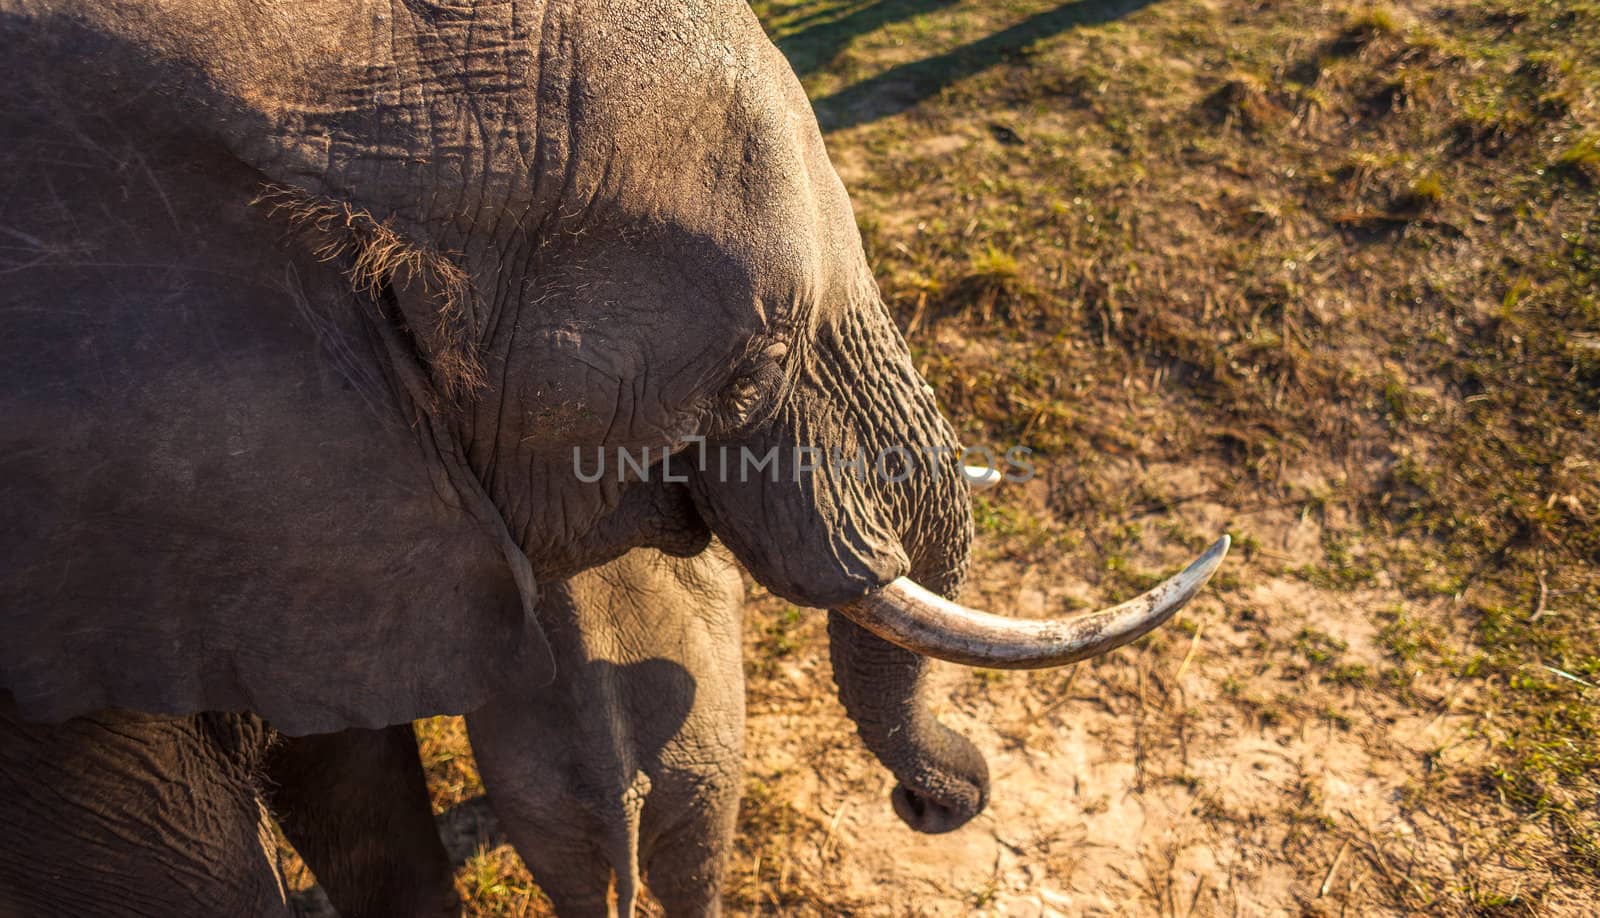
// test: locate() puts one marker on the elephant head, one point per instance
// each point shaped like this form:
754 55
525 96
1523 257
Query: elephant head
566 230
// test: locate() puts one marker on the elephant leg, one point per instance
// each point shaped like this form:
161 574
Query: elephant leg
574 875
686 870
120 813
355 806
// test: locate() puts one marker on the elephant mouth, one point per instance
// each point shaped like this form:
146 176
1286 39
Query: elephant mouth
682 532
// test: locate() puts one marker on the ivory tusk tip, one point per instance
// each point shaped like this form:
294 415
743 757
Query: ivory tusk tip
981 477
1192 578
1212 557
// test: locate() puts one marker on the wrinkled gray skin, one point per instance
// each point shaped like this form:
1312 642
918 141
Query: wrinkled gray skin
354 804
633 758
123 813
307 306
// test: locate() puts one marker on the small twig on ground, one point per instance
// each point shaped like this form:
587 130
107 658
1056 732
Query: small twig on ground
1164 504
1568 676
1064 696
916 316
1544 593
832 827
1194 643
1194 901
1327 881
1011 846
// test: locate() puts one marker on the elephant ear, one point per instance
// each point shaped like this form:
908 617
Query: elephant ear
227 481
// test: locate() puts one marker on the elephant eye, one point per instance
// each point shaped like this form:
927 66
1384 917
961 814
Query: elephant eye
744 397
745 402
750 398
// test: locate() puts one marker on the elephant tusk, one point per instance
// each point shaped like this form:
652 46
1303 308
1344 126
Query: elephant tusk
981 477
909 615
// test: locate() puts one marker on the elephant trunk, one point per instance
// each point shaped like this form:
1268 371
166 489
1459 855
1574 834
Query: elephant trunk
943 780
883 540
881 644
834 537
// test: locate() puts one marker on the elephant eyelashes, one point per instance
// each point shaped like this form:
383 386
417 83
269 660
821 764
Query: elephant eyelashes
748 400
752 396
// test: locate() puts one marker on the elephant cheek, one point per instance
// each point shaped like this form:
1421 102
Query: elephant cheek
813 537
560 397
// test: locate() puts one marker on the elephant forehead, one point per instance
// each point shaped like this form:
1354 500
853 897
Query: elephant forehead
693 126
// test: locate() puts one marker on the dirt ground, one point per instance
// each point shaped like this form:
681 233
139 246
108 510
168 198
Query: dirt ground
1225 767
1319 275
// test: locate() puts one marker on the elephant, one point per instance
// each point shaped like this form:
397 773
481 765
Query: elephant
355 806
634 758
310 312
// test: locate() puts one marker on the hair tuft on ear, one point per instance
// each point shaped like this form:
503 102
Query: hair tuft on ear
377 258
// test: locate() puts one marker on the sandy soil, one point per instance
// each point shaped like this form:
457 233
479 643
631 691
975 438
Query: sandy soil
1207 770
